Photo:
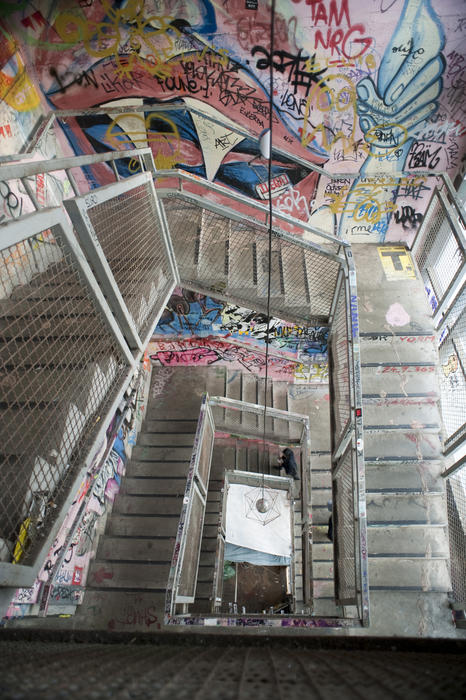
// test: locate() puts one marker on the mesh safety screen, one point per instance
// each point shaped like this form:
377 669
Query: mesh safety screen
60 369
193 532
240 421
456 508
452 355
339 375
203 468
219 255
439 256
344 532
128 229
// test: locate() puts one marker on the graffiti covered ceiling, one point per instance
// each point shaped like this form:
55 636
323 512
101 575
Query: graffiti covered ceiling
368 97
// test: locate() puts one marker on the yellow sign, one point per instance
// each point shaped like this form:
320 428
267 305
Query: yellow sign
397 262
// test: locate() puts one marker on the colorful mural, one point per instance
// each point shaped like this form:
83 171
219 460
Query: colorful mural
198 330
373 92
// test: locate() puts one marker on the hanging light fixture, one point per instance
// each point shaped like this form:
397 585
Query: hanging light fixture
261 505
261 502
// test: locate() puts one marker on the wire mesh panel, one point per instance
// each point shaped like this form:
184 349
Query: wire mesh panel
185 562
344 532
60 370
438 252
452 354
205 453
242 419
122 222
186 588
339 368
220 254
456 508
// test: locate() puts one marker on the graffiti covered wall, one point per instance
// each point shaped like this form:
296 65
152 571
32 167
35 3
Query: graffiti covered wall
198 330
371 91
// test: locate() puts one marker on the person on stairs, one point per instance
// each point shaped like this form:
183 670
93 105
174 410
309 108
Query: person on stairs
288 463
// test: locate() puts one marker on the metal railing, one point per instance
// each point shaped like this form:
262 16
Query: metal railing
73 328
64 360
243 420
348 473
440 252
224 239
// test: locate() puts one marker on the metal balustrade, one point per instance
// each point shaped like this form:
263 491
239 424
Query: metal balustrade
64 362
238 419
74 323
135 243
440 252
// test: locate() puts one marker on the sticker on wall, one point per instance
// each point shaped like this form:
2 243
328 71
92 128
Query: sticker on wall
397 262
251 4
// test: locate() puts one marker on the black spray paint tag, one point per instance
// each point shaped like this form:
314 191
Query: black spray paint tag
251 4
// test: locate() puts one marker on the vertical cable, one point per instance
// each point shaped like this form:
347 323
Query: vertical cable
269 278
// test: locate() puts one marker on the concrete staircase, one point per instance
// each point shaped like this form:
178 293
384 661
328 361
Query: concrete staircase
128 578
56 366
406 507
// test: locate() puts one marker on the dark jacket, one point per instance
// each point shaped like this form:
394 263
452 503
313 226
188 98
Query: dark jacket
288 462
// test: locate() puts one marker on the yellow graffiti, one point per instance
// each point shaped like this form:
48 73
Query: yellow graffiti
366 199
21 542
327 99
450 366
317 372
148 44
165 144
18 90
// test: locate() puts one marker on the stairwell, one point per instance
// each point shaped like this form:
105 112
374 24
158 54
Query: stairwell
406 506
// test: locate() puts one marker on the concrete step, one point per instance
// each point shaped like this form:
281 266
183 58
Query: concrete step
410 613
22 429
142 453
405 475
142 526
157 469
104 574
134 548
406 508
45 385
49 354
425 540
400 410
402 443
152 486
321 496
423 574
325 608
324 588
320 460
36 324
398 347
313 401
323 570
405 379
120 611
321 480
322 551
147 505
172 427
377 294
146 439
